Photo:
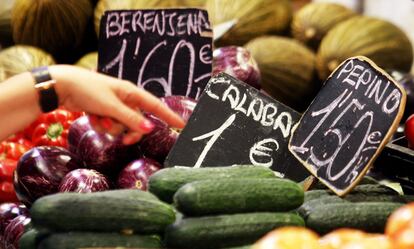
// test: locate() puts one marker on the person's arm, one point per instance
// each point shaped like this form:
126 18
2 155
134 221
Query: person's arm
82 90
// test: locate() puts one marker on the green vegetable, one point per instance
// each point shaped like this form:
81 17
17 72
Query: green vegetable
367 216
166 182
226 230
238 195
108 211
76 240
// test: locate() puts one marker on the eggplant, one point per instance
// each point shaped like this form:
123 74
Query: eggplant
84 181
237 62
14 231
102 152
40 171
9 211
158 143
136 174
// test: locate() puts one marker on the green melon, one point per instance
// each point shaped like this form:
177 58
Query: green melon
311 23
19 58
89 61
57 27
253 18
5 22
381 41
287 68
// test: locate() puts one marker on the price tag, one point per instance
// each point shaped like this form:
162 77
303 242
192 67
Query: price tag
166 51
348 124
234 123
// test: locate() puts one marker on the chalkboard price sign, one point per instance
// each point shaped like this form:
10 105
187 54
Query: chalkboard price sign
165 51
348 124
234 123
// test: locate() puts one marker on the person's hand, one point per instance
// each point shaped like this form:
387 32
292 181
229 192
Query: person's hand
82 90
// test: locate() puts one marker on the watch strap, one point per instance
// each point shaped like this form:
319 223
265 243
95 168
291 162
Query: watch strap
44 84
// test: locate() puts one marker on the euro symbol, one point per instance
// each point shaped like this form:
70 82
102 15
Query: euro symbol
261 152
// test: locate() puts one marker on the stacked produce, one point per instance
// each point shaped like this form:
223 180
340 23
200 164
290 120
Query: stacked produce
127 218
224 207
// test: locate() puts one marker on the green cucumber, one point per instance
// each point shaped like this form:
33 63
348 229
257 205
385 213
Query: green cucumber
166 182
226 230
76 240
309 206
230 196
367 216
31 239
108 211
315 194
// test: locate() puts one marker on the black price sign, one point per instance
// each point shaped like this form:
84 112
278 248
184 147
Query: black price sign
234 123
348 124
165 51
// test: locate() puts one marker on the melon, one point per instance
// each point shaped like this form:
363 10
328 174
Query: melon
253 18
381 41
287 68
5 22
89 61
57 27
311 23
20 58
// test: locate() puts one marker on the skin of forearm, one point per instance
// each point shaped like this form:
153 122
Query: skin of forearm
18 104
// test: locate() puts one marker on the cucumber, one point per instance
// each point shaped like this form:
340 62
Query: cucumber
31 239
166 182
230 196
373 189
239 247
309 206
374 198
315 194
367 216
108 211
76 240
226 230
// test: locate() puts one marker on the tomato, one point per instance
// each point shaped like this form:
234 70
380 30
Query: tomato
289 238
409 130
341 237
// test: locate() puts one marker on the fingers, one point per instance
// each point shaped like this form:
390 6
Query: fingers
150 103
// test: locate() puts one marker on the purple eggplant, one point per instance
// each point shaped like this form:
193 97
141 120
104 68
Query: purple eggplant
100 151
84 181
40 171
159 142
9 211
76 131
14 231
136 174
237 62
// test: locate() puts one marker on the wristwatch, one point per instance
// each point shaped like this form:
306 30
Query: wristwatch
45 86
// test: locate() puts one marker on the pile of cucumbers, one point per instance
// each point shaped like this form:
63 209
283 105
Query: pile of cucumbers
367 207
226 207
115 218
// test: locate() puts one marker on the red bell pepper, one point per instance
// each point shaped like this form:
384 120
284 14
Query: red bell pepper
52 128
7 193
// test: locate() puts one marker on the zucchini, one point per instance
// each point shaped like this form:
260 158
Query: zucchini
108 211
230 196
166 182
76 240
226 230
367 216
